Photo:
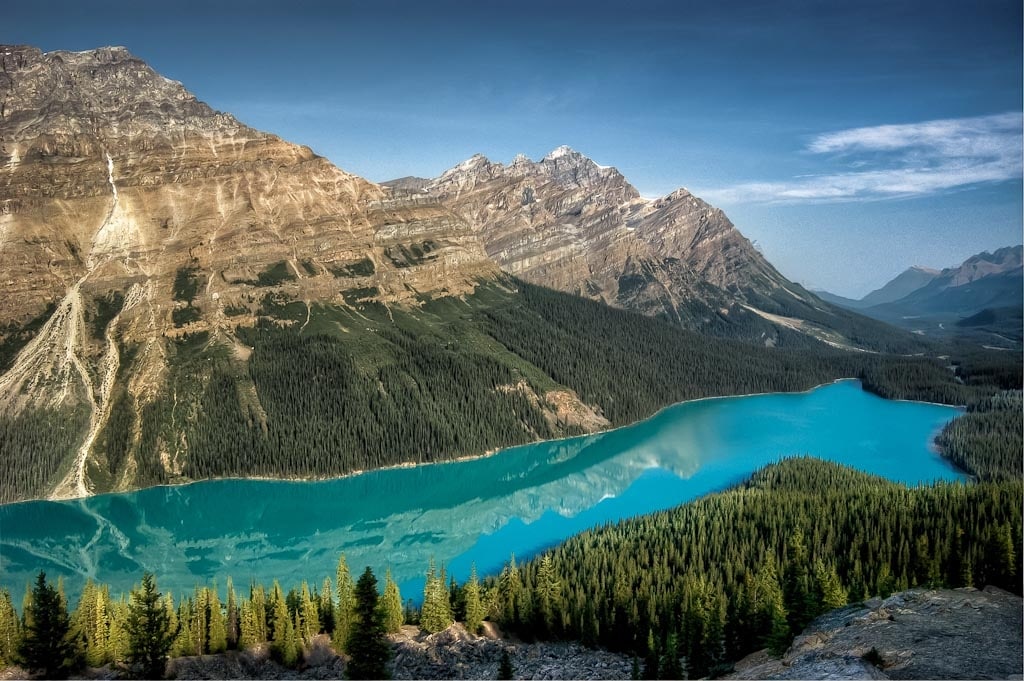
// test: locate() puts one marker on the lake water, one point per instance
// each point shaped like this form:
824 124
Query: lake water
520 500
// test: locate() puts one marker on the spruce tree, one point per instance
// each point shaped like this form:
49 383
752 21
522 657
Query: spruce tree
510 588
10 629
48 647
326 606
391 605
150 636
309 615
474 605
367 643
436 614
119 630
344 611
217 637
283 639
548 592
232 622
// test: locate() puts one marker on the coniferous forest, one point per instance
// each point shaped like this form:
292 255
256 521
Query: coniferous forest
365 386
688 590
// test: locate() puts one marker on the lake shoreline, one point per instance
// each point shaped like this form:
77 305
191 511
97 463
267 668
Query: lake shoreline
491 452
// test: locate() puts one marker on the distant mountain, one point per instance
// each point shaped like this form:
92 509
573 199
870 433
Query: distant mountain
570 224
986 280
902 285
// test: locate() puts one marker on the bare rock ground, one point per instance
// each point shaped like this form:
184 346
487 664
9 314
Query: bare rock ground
917 634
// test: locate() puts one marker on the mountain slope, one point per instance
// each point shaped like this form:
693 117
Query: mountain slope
570 224
187 297
135 218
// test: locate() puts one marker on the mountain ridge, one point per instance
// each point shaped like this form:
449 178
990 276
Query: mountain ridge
172 275
566 222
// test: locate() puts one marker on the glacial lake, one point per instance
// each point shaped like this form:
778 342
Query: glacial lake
521 500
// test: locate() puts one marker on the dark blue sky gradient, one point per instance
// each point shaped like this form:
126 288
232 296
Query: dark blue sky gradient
710 96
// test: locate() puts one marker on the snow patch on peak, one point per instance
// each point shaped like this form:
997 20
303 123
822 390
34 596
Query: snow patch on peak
564 150
521 159
471 162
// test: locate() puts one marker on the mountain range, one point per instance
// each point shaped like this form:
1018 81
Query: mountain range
189 297
984 294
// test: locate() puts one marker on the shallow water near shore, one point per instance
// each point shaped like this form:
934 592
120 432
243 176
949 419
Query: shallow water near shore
520 500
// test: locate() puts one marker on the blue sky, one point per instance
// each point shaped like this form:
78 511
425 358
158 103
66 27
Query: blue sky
849 140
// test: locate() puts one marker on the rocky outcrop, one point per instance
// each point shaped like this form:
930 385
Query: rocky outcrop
568 223
450 654
113 175
455 654
917 634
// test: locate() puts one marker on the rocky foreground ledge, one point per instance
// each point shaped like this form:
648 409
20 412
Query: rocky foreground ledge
916 634
450 654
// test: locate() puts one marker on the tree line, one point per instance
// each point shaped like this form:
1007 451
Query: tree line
688 590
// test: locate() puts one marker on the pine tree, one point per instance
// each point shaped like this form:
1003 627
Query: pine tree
833 595
510 588
217 639
367 644
282 640
671 667
799 601
247 636
651 661
232 622
436 614
548 592
474 605
326 607
119 630
150 636
344 611
48 647
309 615
10 629
90 622
391 605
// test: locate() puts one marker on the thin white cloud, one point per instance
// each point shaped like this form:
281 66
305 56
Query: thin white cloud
898 161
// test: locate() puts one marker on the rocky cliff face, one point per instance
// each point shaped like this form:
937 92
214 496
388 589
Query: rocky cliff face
917 634
568 223
137 212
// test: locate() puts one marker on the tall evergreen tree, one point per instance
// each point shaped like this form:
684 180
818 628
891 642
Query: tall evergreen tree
391 605
48 647
309 616
510 588
283 643
232 623
344 610
217 637
367 644
10 629
474 604
436 613
150 636
326 607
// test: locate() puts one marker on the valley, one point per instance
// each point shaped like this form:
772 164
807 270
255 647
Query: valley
526 397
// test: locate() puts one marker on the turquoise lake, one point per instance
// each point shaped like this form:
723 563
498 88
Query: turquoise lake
520 500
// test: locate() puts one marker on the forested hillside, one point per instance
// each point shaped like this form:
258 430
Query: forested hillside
337 389
698 587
